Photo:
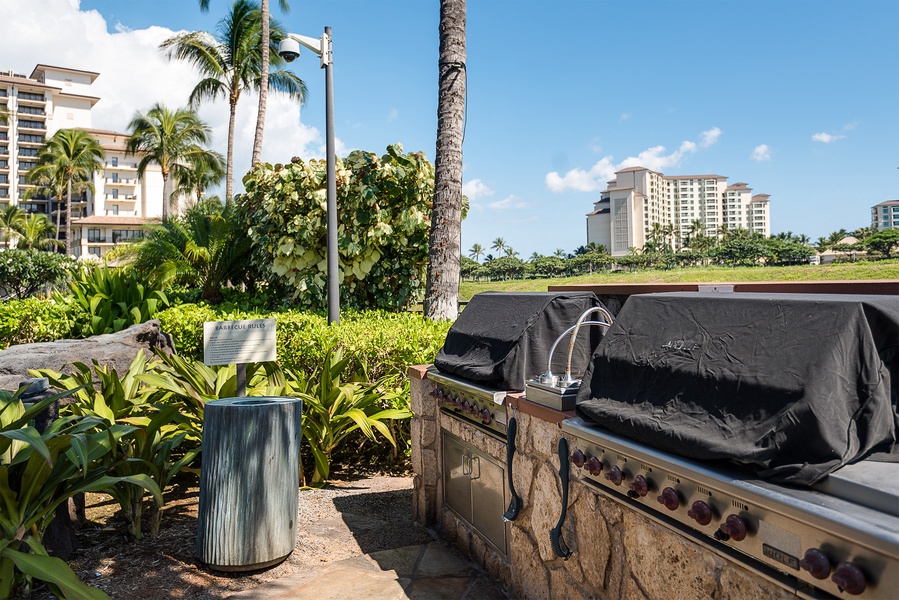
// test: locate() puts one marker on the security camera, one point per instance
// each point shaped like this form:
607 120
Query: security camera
289 49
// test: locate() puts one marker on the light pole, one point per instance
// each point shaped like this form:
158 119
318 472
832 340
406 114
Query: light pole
289 50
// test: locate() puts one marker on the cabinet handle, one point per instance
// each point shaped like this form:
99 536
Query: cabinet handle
474 460
466 460
555 536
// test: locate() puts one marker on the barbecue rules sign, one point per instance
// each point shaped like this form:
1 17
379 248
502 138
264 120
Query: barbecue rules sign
236 342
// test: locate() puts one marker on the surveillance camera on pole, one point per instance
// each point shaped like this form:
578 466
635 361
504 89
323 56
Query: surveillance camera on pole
289 49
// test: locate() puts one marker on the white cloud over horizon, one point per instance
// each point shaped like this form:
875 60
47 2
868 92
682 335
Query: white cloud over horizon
476 189
134 75
761 153
826 138
602 171
510 201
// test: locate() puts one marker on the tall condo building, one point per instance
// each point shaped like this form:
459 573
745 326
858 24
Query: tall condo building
885 215
54 98
639 198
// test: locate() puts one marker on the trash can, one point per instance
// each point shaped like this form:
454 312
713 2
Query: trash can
249 481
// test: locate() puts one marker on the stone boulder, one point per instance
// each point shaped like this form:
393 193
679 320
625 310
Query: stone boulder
116 350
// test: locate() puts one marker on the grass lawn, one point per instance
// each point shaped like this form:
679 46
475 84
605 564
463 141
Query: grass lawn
843 271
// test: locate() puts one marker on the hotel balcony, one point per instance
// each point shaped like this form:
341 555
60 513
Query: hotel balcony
122 166
121 198
30 99
32 125
121 182
31 140
32 112
4 150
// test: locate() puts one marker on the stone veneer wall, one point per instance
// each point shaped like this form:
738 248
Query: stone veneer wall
617 552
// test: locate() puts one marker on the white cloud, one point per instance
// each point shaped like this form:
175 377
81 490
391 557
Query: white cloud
654 158
134 75
761 153
826 138
850 126
510 201
476 189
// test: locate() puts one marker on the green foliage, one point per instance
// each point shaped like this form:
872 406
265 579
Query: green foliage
39 471
25 273
333 410
883 241
113 299
379 342
507 267
34 320
383 224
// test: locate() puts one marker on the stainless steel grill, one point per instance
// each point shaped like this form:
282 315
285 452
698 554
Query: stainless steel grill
483 407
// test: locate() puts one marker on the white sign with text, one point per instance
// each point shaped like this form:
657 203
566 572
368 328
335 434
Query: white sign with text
235 342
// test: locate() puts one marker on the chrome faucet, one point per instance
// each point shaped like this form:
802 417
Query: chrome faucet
553 380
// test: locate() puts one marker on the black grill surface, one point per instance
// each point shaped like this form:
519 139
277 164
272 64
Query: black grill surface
502 339
794 385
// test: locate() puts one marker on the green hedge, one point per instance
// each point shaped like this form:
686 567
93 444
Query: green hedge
383 343
35 320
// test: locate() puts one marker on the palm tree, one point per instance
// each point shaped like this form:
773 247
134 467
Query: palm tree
200 171
476 251
499 244
442 288
231 63
510 252
167 138
12 218
36 231
535 256
559 253
206 248
75 155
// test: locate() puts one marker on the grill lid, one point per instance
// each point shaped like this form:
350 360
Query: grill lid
502 339
794 385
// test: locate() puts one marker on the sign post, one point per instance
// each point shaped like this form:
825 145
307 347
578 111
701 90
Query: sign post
239 343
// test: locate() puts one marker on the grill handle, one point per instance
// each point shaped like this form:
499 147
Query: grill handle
515 504
555 536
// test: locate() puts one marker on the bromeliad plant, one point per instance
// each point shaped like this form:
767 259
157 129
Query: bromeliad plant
332 411
39 471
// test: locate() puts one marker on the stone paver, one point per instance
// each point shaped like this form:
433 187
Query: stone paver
433 571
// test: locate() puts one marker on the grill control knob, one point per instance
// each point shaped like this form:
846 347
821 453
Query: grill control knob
578 458
594 466
615 475
640 487
486 417
734 528
816 563
849 578
457 402
475 410
700 512
466 406
669 498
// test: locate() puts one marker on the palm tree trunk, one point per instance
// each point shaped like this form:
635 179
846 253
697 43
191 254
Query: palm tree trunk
165 195
58 214
69 216
229 168
444 251
263 84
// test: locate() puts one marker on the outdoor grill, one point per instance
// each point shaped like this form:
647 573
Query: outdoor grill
762 426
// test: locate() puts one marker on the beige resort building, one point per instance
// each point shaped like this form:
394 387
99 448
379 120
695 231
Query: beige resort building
638 198
885 215
53 98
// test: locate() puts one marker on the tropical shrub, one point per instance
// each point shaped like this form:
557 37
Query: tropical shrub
113 299
38 472
34 320
25 273
383 223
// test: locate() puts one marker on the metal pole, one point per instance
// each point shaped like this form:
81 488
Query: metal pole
333 273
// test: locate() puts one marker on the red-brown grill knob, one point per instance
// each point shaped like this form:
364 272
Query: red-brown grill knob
849 578
578 458
475 410
734 527
486 417
615 475
700 512
670 498
639 486
816 563
466 406
594 466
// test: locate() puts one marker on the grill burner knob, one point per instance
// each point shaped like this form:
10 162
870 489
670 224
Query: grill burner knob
816 563
466 406
734 528
594 466
615 475
849 578
639 487
475 410
700 512
486 417
669 498
578 458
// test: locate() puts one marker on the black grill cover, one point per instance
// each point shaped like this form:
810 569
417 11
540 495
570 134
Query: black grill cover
502 339
794 385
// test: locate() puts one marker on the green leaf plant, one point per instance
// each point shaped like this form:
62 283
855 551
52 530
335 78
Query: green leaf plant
38 472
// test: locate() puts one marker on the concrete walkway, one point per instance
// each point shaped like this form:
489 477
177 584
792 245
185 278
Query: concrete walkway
432 571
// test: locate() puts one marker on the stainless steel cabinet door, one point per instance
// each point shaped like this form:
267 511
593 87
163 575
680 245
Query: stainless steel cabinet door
456 477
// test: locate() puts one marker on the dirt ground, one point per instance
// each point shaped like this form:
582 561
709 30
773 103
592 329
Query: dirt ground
347 518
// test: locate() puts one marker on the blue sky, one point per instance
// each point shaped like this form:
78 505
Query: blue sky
797 99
